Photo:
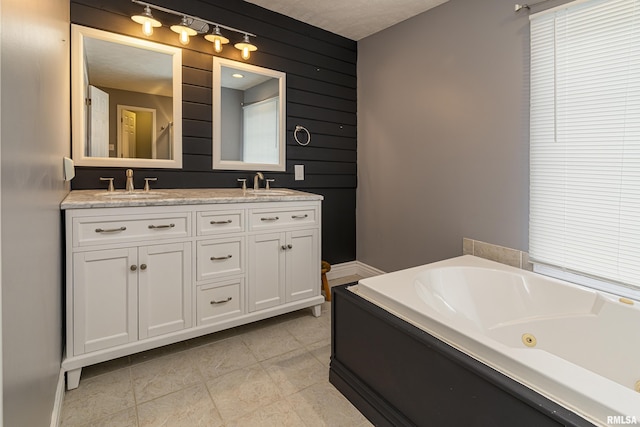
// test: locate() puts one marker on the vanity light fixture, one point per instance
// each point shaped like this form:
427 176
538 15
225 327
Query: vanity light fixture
147 20
217 39
190 26
245 47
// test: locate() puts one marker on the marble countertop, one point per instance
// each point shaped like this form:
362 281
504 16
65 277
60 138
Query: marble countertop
85 199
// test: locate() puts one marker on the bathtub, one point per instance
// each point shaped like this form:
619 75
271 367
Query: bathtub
576 347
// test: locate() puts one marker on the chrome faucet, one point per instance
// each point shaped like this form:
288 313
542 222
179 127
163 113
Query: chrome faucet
129 185
256 183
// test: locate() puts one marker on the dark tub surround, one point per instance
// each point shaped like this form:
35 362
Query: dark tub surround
399 375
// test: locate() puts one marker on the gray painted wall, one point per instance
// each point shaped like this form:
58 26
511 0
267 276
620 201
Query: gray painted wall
443 139
34 137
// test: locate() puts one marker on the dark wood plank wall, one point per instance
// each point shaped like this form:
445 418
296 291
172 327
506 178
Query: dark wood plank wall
321 95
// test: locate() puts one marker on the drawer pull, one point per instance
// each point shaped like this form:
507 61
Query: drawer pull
214 302
220 258
271 218
156 227
299 216
220 222
110 230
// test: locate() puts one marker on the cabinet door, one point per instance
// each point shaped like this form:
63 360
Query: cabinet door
266 271
105 299
302 264
164 288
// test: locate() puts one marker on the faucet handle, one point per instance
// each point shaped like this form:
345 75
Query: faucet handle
244 183
146 183
110 183
268 181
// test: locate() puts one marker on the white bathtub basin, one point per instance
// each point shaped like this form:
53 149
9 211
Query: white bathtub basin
585 348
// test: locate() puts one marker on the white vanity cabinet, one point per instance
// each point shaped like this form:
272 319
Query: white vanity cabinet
105 299
283 261
152 274
282 267
125 294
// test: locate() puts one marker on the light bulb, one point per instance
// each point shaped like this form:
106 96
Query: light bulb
147 21
147 28
245 47
184 31
184 37
217 39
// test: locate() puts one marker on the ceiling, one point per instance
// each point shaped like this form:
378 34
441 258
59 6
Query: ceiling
354 19
112 65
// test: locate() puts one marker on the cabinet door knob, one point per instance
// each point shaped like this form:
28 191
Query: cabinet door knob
284 248
289 246
143 266
133 267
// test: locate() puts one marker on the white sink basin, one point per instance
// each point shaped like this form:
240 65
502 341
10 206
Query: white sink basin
270 192
133 195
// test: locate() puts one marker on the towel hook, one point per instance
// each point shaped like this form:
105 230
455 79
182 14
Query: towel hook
295 135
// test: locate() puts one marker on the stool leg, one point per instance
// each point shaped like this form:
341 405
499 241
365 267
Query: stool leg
325 286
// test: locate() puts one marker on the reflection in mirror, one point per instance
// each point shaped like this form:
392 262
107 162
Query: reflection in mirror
248 117
126 101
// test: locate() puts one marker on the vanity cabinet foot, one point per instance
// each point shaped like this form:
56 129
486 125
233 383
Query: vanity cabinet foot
316 310
73 378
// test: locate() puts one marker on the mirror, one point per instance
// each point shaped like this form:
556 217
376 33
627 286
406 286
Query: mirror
126 101
249 117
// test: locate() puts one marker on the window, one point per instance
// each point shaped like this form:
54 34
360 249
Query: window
261 132
585 140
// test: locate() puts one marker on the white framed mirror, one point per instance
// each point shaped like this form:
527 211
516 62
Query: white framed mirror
126 101
249 117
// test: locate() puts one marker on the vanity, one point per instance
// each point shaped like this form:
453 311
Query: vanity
147 269
150 268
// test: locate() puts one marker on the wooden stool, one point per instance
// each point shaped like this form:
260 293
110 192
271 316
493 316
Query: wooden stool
325 267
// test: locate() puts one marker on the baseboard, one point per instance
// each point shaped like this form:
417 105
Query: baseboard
352 268
59 399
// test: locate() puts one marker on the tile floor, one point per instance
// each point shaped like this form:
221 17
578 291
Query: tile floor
269 373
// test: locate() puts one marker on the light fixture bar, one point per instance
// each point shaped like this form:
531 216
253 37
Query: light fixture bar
195 18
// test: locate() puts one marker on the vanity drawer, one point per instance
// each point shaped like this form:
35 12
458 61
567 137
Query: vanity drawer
219 258
100 230
263 219
219 301
219 222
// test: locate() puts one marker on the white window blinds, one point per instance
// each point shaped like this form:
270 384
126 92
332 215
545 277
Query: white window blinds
260 127
585 139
